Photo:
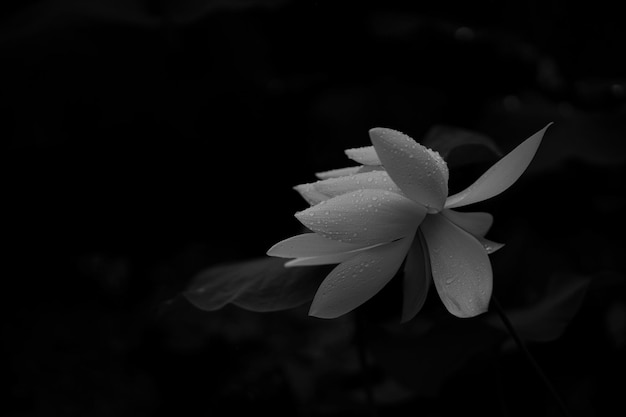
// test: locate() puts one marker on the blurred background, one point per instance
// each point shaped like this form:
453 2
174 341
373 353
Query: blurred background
147 140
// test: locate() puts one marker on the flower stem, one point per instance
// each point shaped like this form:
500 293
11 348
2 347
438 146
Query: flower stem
529 357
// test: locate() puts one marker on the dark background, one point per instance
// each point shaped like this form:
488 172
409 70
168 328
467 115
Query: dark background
144 141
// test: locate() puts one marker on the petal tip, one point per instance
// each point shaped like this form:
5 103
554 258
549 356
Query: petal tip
384 134
301 214
377 130
291 263
273 250
365 155
314 311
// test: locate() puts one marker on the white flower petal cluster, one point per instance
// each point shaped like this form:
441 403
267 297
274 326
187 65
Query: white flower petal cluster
394 206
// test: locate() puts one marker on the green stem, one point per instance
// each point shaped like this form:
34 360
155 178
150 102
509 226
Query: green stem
529 357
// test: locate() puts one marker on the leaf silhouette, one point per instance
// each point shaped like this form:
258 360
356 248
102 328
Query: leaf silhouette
447 139
260 285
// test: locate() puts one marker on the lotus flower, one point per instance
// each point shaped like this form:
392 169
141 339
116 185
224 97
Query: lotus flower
394 206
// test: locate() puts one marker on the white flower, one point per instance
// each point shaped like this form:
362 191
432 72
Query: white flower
368 218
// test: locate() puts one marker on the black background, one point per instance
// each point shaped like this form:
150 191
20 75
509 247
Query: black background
146 140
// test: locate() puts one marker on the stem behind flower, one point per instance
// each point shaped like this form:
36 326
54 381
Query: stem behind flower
522 346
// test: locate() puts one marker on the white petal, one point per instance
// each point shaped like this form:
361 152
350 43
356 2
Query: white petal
421 173
308 245
323 190
460 267
376 180
364 217
366 155
340 172
358 279
501 175
310 194
321 260
416 280
477 223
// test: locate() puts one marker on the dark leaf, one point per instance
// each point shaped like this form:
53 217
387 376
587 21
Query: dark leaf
547 320
476 147
258 285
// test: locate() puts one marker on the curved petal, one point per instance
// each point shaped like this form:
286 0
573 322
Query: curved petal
342 172
416 280
308 245
335 173
365 156
460 266
377 180
310 194
364 217
321 260
501 175
323 190
358 279
419 172
477 223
